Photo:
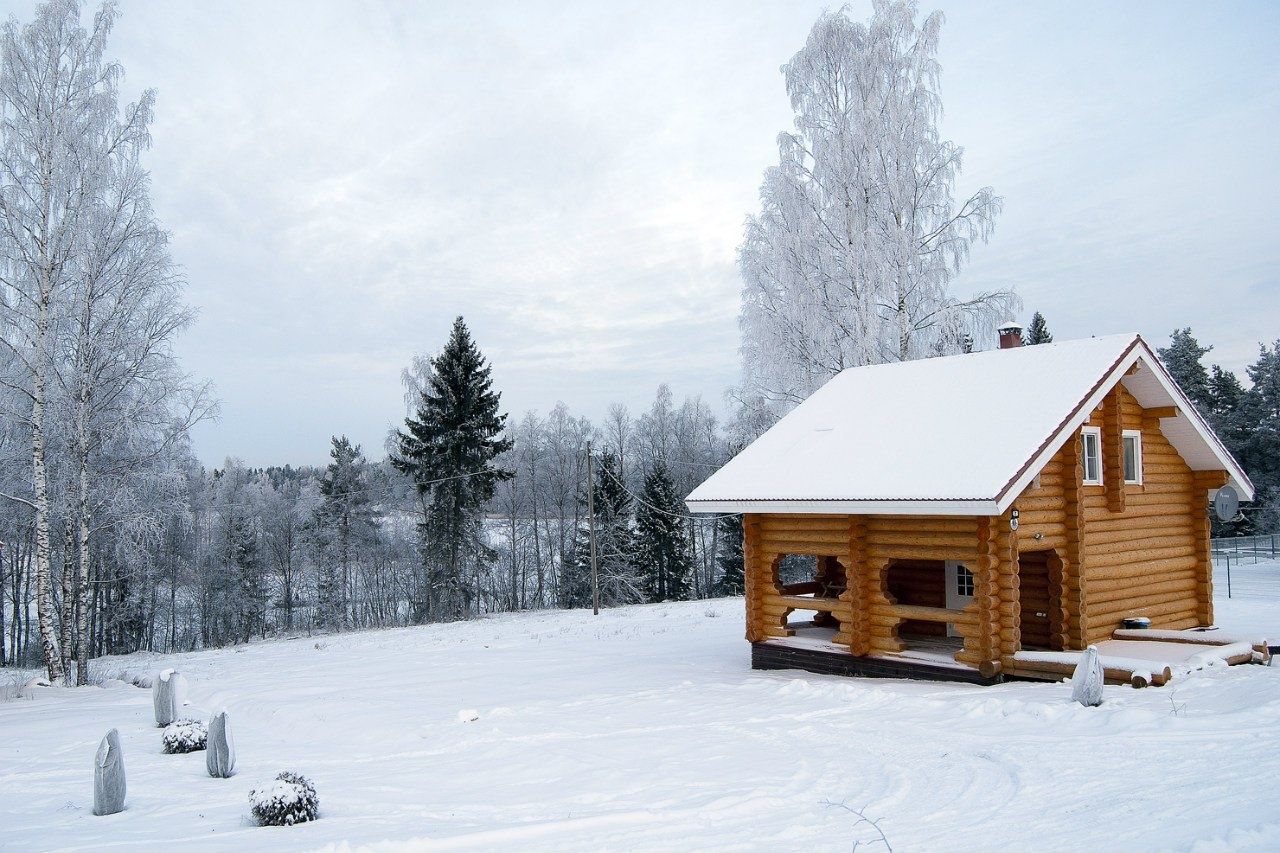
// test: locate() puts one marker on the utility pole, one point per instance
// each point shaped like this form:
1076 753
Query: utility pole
591 531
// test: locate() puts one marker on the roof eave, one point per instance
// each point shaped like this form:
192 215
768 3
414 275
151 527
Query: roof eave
984 507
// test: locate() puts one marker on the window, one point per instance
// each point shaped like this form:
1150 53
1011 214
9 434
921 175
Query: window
964 582
1091 451
1132 456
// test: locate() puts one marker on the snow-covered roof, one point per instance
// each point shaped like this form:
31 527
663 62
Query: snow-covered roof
960 435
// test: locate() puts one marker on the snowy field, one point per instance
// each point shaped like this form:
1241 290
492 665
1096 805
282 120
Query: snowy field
645 728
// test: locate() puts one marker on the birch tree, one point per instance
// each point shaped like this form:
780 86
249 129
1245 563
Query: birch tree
56 105
851 259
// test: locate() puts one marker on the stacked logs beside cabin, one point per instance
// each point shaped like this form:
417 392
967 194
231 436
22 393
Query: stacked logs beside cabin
1094 555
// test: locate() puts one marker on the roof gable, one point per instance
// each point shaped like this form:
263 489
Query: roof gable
956 435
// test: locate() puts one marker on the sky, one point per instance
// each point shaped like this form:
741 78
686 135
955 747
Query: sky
342 179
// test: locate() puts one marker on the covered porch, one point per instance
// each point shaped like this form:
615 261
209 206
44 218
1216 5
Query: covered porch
897 596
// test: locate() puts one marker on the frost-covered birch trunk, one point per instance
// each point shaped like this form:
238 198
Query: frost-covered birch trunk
40 480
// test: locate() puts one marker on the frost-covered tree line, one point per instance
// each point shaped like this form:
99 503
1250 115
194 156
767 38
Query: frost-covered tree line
240 553
1247 419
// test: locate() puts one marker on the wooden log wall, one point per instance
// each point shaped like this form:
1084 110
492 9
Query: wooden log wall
1140 550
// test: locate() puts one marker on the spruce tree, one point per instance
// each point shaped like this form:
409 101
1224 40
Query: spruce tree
615 544
662 550
1038 331
344 519
1182 359
730 560
1259 452
448 449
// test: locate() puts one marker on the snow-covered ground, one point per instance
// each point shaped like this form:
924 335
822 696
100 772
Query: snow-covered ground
645 728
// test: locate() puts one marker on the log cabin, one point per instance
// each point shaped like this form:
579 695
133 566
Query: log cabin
943 518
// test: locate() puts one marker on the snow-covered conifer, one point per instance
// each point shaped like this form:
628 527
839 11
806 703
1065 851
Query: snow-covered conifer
447 449
1037 331
1182 359
615 544
729 560
662 549
345 520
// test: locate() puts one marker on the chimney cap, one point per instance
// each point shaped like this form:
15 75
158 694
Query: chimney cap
1009 326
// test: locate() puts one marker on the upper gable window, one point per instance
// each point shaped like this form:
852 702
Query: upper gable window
1132 439
1091 455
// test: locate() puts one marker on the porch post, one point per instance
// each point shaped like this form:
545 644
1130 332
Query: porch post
753 578
857 587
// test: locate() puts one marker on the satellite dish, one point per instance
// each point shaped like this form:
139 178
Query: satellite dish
1226 503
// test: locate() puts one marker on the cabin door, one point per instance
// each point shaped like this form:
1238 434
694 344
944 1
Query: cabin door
959 590
1035 599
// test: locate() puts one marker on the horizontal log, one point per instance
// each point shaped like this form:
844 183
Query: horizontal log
1041 503
1113 675
1181 581
945 540
785 542
1103 517
815 519
800 602
1141 568
919 552
1180 527
1104 620
1138 598
1122 554
932 614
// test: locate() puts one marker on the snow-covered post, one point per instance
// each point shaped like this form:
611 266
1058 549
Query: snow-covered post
1086 681
164 696
108 776
220 749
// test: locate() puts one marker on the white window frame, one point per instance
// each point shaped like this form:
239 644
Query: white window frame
1096 432
1136 435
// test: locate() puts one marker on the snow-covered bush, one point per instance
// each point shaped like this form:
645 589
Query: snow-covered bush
220 760
290 799
1086 681
185 736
